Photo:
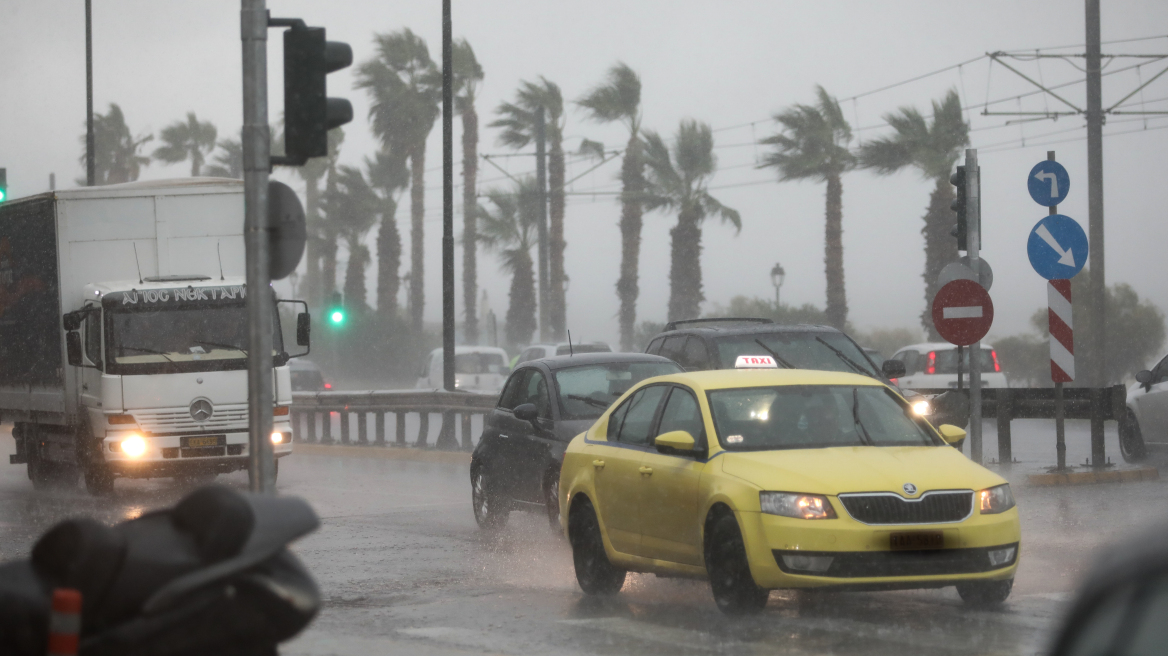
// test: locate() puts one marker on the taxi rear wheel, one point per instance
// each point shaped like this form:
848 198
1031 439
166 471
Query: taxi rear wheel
594 572
985 593
734 588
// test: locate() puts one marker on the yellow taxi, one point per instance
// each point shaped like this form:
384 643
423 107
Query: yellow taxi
760 478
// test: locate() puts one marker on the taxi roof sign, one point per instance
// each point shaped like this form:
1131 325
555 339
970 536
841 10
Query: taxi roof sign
755 362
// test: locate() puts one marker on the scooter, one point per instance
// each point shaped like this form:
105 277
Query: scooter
212 575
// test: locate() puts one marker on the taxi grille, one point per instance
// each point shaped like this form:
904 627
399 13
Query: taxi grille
930 508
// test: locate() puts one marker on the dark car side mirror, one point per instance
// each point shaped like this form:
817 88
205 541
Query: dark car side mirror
1144 377
73 348
526 412
893 369
303 329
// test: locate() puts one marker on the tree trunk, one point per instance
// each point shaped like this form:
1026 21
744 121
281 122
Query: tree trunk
388 262
521 321
311 286
417 228
632 188
833 258
470 169
328 266
940 247
355 293
557 306
196 163
685 266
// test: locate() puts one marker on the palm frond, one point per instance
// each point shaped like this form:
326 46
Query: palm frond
618 98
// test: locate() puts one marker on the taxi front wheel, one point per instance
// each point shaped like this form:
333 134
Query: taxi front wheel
734 588
594 572
985 593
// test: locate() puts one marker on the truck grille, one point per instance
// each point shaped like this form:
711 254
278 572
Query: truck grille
174 422
931 508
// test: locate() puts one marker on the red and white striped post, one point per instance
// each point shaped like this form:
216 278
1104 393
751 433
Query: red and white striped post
65 622
1062 356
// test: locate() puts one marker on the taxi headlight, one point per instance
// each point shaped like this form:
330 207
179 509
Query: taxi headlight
994 500
134 446
922 408
793 504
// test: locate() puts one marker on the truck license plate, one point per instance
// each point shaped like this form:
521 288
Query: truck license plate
210 440
915 540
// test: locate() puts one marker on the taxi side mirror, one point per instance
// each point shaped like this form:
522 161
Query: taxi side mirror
951 434
677 440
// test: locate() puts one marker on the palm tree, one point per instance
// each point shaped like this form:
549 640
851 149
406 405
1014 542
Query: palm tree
618 99
814 145
678 179
228 161
388 173
467 76
321 241
511 230
518 121
116 157
932 149
405 88
351 207
191 140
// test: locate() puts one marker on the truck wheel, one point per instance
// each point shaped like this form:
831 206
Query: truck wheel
733 586
985 593
40 472
594 572
99 480
1131 439
275 473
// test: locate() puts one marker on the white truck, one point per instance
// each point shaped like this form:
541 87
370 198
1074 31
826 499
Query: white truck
123 333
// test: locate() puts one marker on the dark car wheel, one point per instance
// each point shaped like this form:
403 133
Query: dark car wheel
490 511
1131 439
594 572
985 593
551 500
733 586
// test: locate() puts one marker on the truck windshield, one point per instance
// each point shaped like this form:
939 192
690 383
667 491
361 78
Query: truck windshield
164 340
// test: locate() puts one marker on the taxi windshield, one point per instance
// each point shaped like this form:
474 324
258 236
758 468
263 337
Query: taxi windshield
822 351
587 391
811 416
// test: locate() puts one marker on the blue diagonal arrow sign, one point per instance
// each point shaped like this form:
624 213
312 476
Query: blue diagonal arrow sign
1057 247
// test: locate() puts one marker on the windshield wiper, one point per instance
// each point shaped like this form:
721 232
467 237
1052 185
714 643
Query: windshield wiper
226 346
146 350
848 361
588 399
865 437
774 355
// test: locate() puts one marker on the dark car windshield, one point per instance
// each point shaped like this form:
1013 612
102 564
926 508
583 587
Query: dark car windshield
810 416
803 350
587 391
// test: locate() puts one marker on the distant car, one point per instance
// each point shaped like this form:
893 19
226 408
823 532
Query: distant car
547 402
933 365
537 351
875 356
1146 420
306 376
476 369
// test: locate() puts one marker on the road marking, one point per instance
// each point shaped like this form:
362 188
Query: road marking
966 312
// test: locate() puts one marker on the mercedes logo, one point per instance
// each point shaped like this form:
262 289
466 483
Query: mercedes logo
201 410
909 488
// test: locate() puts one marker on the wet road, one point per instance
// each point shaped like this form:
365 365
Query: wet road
404 569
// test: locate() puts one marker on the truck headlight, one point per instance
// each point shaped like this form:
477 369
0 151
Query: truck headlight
134 446
799 506
994 500
277 438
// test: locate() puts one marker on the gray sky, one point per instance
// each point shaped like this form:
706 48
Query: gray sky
731 64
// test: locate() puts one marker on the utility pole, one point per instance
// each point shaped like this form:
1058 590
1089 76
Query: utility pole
541 182
256 167
90 165
447 210
1097 350
973 241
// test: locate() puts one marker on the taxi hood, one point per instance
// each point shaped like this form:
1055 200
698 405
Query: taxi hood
859 469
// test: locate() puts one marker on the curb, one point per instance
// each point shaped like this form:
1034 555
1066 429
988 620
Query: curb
1093 477
381 453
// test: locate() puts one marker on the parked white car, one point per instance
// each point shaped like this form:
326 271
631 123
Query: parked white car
537 351
933 365
1146 422
476 369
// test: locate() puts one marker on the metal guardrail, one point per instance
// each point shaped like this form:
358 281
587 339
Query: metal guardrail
308 407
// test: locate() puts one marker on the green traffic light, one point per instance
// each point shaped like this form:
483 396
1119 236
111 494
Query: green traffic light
337 316
3 195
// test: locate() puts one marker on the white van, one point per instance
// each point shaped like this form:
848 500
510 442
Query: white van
537 351
933 365
476 369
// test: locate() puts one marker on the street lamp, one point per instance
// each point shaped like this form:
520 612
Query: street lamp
566 282
777 275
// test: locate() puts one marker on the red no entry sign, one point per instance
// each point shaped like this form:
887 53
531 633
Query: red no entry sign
962 312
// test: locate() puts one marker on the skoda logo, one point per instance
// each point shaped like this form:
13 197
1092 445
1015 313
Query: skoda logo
909 488
201 410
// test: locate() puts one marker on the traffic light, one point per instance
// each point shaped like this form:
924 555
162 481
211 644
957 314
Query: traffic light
308 111
3 185
959 206
336 310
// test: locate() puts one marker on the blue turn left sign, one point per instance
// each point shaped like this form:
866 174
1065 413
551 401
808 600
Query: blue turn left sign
1048 183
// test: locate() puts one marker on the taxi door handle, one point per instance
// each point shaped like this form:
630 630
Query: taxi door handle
647 470
599 464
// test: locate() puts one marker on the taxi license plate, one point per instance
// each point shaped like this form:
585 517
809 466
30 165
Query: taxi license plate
916 540
210 440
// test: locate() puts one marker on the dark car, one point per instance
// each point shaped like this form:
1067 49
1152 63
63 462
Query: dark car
544 404
306 376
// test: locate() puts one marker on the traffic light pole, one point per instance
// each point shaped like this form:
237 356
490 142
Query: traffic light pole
256 167
90 155
973 241
447 209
